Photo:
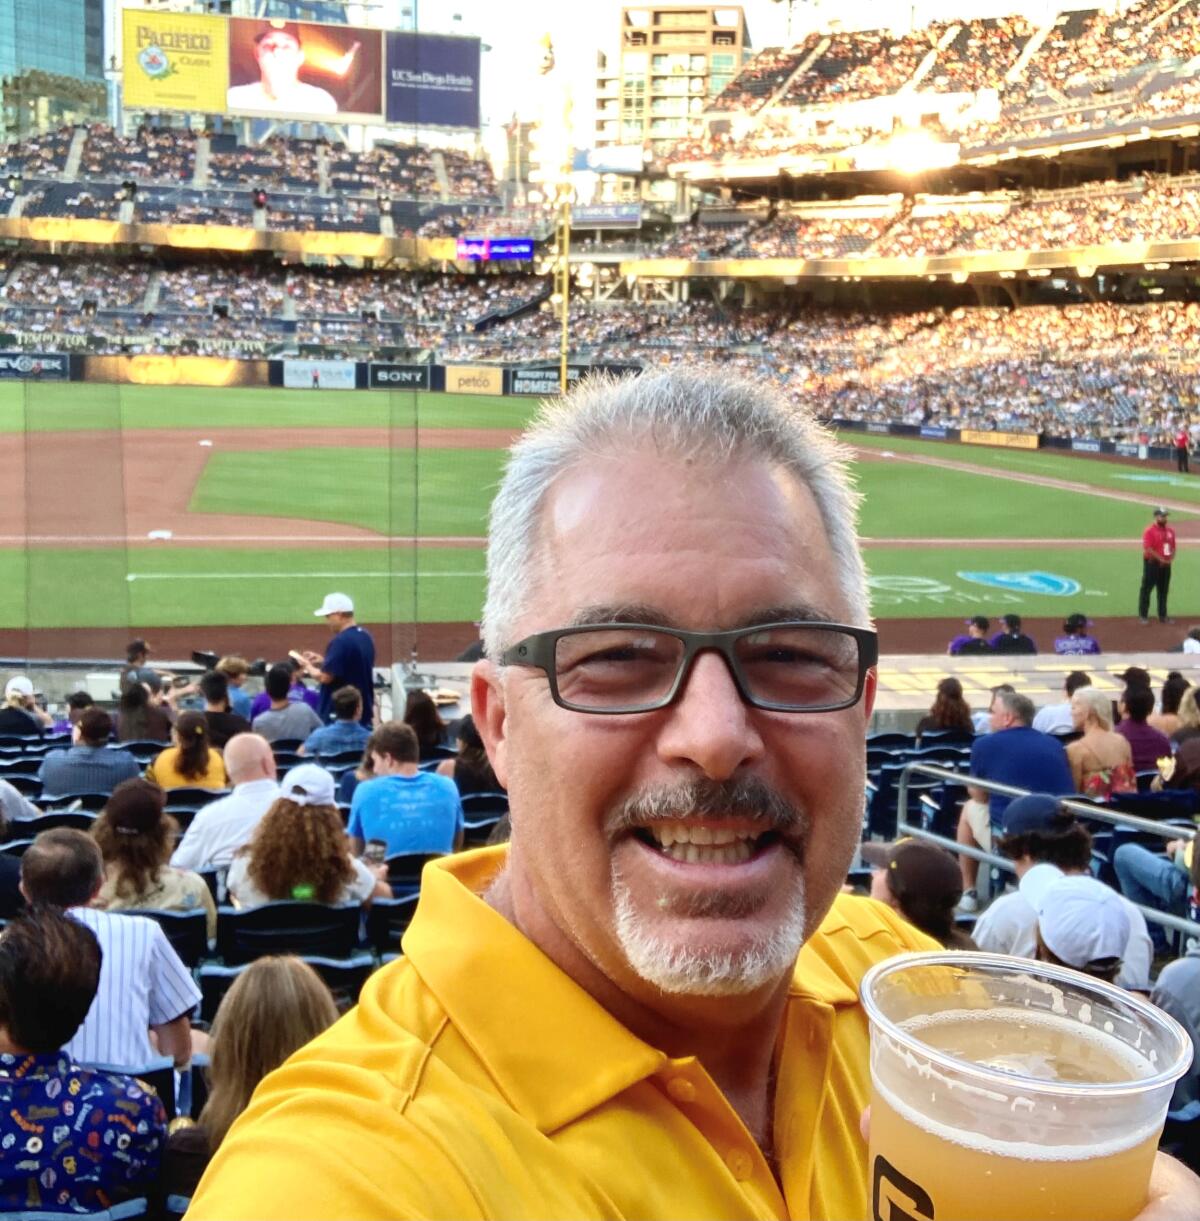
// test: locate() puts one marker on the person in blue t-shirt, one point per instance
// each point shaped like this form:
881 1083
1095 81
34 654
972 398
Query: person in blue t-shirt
348 662
412 810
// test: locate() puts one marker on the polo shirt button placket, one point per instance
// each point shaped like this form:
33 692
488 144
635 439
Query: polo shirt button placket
681 1089
740 1163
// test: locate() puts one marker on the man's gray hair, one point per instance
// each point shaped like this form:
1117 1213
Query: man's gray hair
700 412
1021 706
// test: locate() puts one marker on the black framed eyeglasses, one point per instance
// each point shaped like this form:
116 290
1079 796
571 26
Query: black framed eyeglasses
612 668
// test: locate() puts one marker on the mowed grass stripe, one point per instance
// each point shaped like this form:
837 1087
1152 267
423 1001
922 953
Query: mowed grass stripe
1154 480
432 492
62 407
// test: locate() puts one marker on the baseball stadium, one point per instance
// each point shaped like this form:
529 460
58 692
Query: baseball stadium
281 284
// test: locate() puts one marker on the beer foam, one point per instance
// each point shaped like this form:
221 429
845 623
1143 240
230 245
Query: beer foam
1138 1066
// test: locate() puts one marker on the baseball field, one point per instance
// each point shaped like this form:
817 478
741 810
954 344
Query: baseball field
220 517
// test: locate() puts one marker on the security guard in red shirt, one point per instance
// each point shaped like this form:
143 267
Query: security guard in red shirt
1158 553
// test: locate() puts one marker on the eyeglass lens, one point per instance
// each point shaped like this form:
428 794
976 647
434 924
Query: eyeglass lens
795 667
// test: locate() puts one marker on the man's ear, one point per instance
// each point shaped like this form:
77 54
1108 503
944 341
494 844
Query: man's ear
870 685
489 709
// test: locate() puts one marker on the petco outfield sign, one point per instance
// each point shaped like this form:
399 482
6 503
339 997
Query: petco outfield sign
35 366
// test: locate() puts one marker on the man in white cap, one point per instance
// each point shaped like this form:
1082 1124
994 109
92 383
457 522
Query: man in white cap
21 717
1082 924
349 660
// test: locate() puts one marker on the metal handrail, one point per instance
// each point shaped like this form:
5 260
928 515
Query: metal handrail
904 827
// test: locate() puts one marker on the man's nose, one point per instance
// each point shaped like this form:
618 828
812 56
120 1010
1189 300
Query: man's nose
710 726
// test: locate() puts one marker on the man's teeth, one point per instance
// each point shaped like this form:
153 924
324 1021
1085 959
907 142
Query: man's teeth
698 845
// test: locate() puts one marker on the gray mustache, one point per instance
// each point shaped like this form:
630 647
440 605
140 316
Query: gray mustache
749 798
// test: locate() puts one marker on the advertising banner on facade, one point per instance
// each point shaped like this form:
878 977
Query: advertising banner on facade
607 216
399 377
474 379
300 69
319 374
34 366
432 80
154 369
175 61
1007 440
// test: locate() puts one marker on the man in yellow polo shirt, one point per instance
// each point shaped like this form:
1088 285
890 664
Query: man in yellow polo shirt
646 1006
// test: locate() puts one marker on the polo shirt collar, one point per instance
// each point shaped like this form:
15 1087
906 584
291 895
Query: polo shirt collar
552 1049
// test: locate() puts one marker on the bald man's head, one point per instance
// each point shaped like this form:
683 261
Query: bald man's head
248 757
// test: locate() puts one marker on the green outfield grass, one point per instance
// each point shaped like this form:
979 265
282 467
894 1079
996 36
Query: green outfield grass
412 488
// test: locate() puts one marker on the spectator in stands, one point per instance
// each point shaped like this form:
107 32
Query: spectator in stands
1191 642
275 1006
298 692
78 702
144 988
1058 718
949 713
1101 760
76 1140
421 714
21 717
470 769
136 836
279 54
137 667
1075 641
191 761
923 883
348 662
1147 743
89 766
414 811
1013 753
236 669
1083 924
140 718
223 723
351 778
287 718
1162 880
223 826
1189 719
299 850
1044 842
1177 992
11 899
975 641
1010 639
1166 719
346 731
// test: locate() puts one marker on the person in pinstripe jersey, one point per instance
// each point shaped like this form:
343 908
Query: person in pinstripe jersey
144 987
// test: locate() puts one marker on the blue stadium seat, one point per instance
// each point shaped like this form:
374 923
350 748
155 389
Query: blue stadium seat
30 828
387 920
315 929
404 870
186 931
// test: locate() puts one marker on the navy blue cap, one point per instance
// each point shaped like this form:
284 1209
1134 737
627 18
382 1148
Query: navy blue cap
1035 812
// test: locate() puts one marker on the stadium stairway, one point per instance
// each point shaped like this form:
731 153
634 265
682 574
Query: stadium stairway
802 67
1030 49
439 172
926 66
74 155
324 185
153 292
200 162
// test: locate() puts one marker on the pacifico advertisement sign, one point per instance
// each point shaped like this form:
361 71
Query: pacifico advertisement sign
175 61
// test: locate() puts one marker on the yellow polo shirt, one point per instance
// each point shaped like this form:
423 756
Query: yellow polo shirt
476 1079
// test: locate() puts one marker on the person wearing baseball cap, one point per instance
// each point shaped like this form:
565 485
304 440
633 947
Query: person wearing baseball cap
279 56
21 717
1158 555
1010 638
1075 640
348 662
1082 924
1046 842
922 882
975 639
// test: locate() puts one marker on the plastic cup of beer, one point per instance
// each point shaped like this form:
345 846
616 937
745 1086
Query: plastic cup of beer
1004 1089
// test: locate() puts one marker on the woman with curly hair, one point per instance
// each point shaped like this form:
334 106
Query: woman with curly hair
276 1005
136 837
192 760
300 850
950 710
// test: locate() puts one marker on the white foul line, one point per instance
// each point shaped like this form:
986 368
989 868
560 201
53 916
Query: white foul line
287 576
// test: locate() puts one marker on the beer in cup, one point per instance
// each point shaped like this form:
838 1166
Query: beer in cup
1004 1089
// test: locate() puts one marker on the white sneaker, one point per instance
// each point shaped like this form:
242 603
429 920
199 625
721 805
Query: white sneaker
969 901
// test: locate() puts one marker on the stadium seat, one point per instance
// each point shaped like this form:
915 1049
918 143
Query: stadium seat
26 783
285 759
142 749
387 920
344 977
946 737
339 759
186 931
404 870
286 745
117 1212
890 741
79 820
87 801
15 847
316 929
193 797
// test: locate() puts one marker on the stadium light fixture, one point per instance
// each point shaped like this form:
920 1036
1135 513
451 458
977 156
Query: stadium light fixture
1038 273
959 277
1085 271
